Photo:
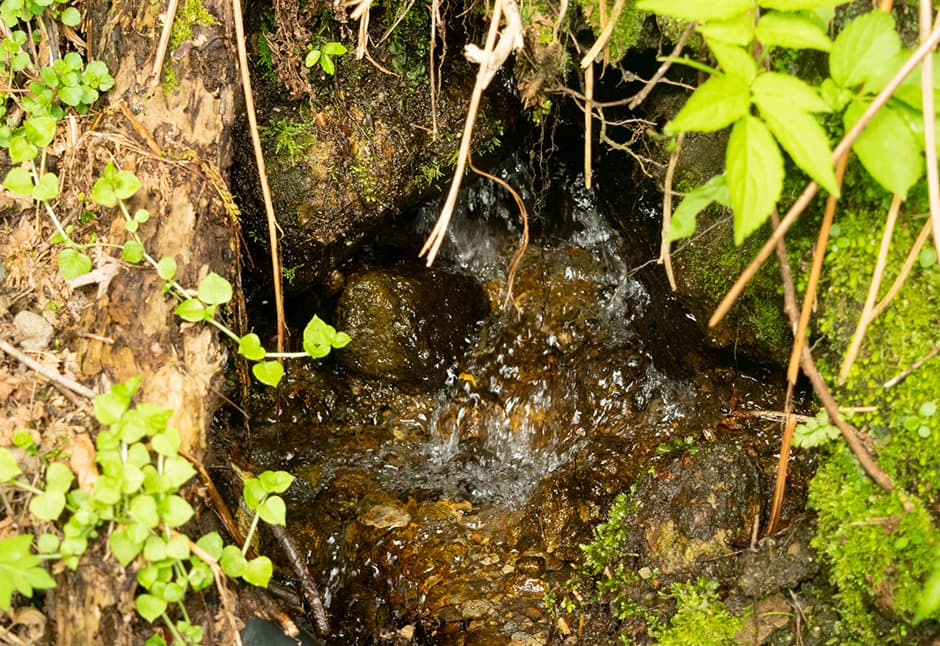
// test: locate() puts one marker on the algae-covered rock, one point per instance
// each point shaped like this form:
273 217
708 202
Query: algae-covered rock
407 325
703 506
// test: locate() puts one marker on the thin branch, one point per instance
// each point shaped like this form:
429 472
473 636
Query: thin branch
819 254
48 373
262 172
810 191
865 318
164 41
901 376
589 93
930 130
640 96
905 270
664 256
605 35
490 59
849 433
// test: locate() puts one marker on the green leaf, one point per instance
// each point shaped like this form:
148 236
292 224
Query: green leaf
258 571
214 290
803 139
109 407
40 131
342 340
166 268
334 49
47 543
103 193
166 443
312 57
190 310
717 103
866 44
9 468
21 150
143 509
927 409
929 601
150 607
71 95
754 172
734 60
249 346
48 505
927 258
789 90
132 252
73 263
47 188
268 372
696 10
175 511
126 184
19 181
254 492
199 575
326 63
232 561
178 471
738 30
70 17
273 510
20 569
797 5
177 548
887 148
154 549
275 481
792 31
59 477
211 544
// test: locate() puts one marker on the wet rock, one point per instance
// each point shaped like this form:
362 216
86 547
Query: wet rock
407 325
700 508
782 562
33 332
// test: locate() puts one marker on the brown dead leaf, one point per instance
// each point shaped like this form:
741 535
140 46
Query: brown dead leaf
82 461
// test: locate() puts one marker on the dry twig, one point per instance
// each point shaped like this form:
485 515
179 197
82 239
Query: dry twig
588 109
640 96
164 41
664 257
48 373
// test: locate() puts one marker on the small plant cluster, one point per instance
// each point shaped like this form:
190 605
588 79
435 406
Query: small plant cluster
136 502
862 59
324 55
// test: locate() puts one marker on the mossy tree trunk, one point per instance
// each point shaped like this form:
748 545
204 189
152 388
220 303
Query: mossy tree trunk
176 137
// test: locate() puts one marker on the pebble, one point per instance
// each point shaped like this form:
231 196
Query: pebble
33 332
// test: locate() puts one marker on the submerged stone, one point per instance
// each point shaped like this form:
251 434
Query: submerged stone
407 325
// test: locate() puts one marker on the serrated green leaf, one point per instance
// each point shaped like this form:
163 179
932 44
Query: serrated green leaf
258 571
738 30
786 89
734 60
754 172
682 224
803 139
9 468
867 44
249 346
73 263
697 10
190 310
887 148
166 268
150 607
717 103
19 181
232 561
791 30
47 188
132 252
268 372
273 510
214 290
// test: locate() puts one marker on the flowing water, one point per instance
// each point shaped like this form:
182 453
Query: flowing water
449 507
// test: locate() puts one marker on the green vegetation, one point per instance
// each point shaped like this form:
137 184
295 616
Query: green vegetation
135 501
291 136
189 14
701 617
324 55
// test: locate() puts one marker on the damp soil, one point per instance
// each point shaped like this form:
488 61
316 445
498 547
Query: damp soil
443 509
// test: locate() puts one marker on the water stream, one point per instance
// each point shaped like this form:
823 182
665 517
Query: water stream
449 507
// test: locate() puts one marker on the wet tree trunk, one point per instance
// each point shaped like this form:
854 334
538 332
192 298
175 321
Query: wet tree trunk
176 137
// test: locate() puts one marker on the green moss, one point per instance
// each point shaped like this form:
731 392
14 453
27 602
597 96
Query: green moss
191 13
701 617
290 136
881 546
626 33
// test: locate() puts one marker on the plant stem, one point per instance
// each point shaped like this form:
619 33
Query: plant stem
251 531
